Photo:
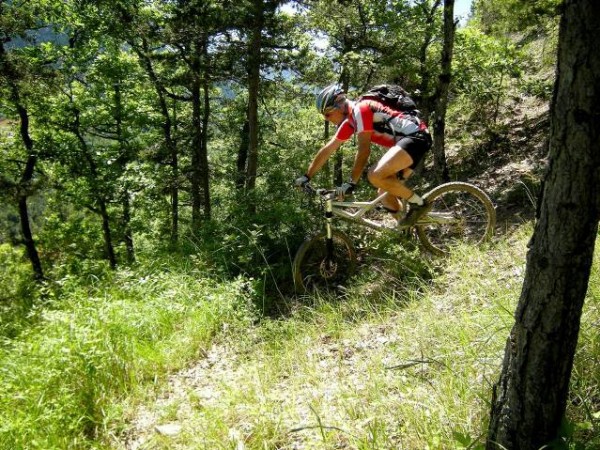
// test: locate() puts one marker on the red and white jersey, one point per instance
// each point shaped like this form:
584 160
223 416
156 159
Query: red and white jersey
386 125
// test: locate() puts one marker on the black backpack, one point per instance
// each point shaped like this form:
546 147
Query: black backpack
392 96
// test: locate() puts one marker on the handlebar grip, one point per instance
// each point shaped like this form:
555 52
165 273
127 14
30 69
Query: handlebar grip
309 189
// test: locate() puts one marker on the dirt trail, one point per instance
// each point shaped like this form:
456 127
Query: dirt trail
193 395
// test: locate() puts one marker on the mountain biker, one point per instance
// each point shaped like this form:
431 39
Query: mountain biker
404 135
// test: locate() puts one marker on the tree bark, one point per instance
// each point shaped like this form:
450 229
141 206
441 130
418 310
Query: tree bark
196 176
441 95
424 101
167 127
204 168
200 117
242 157
98 192
23 191
23 186
28 241
106 232
254 63
531 395
124 158
127 231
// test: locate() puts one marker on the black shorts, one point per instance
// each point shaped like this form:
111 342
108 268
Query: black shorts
416 146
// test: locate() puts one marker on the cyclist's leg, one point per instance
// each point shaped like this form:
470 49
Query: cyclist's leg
384 175
388 174
390 202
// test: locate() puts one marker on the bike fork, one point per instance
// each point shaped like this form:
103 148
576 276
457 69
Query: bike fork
329 229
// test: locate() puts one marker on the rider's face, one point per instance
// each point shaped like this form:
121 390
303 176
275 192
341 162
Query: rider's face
335 116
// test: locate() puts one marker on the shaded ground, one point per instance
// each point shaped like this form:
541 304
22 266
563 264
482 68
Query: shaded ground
509 164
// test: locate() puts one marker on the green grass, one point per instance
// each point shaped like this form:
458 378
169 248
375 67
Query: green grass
398 369
66 382
407 366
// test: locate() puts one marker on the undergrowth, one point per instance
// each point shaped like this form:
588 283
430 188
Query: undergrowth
390 362
403 357
95 344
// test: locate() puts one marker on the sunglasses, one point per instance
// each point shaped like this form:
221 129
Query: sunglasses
328 112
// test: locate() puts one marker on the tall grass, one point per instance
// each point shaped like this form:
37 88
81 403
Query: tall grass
408 365
403 358
61 380
397 368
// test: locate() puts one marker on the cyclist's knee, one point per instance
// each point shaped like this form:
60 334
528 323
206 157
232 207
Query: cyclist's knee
374 177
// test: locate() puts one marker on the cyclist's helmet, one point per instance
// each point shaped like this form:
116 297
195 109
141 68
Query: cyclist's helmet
330 98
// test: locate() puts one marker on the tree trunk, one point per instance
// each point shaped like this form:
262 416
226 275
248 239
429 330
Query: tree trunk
23 186
28 241
424 101
441 95
196 176
205 172
124 158
254 63
530 397
98 192
168 130
127 231
106 232
167 126
242 157
200 116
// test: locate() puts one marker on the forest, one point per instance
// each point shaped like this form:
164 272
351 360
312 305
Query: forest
148 224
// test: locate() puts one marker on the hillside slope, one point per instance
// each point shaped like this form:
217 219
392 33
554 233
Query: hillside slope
405 367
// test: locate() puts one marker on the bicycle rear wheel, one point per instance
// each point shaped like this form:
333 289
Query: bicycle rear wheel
313 270
461 213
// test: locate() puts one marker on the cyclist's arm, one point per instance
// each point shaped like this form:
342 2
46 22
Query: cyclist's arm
323 155
362 156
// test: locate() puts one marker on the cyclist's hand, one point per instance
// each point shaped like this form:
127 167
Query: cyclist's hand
302 181
345 189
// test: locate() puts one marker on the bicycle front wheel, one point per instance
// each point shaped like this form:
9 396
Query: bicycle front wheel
314 269
461 213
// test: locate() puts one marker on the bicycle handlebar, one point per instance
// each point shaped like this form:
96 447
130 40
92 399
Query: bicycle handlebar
309 189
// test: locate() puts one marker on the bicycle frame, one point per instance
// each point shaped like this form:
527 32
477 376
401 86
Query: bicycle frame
342 209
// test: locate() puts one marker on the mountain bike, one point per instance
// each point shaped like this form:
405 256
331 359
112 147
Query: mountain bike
460 213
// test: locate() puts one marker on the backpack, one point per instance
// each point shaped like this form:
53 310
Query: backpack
392 96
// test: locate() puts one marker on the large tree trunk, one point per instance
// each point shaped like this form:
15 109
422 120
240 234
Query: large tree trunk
28 241
200 117
242 157
127 231
124 158
196 176
531 395
106 232
204 144
441 95
32 253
